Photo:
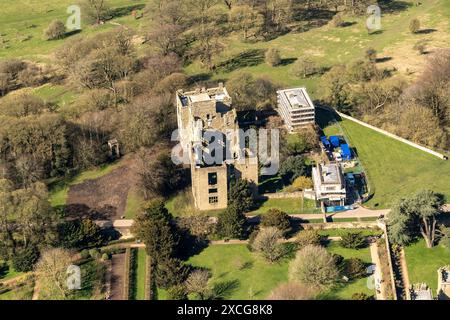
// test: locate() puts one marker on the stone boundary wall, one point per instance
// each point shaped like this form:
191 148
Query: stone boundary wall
383 227
288 195
393 136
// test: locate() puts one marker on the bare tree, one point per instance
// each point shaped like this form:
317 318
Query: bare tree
197 283
293 291
267 242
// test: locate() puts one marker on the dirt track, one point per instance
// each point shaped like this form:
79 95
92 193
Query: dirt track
104 198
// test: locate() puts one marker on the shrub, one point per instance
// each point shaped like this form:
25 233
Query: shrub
267 242
94 253
278 219
292 168
421 47
314 266
371 54
293 291
84 254
197 283
273 57
25 259
251 239
231 222
302 183
361 296
304 67
353 240
308 237
56 30
177 292
354 268
105 257
337 20
414 25
170 272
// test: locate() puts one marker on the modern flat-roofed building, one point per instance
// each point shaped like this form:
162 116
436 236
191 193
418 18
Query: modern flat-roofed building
209 111
296 108
329 184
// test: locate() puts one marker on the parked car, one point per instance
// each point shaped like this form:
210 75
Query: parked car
351 179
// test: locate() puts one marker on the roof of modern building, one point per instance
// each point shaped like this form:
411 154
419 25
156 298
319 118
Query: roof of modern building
330 173
297 98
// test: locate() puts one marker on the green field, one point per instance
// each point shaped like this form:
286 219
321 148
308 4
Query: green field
290 206
394 169
249 276
22 23
140 274
246 275
7 272
345 292
423 263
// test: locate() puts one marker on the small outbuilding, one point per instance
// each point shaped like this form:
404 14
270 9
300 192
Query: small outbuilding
335 141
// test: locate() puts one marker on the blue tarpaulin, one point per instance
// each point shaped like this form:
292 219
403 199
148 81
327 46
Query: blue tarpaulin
346 152
325 141
335 141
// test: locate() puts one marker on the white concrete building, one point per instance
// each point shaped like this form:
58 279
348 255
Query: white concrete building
296 108
329 184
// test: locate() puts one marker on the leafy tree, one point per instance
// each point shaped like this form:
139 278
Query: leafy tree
177 292
292 168
415 215
335 88
56 30
161 176
302 183
170 272
80 234
197 283
353 240
240 194
414 25
314 266
154 228
308 237
249 93
445 238
278 219
96 11
273 57
354 268
267 242
304 67
51 272
25 259
231 222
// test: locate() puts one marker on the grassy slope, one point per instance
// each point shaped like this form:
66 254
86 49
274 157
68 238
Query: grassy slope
423 263
24 18
329 46
394 168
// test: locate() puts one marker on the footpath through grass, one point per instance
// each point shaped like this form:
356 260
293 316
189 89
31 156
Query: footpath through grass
395 169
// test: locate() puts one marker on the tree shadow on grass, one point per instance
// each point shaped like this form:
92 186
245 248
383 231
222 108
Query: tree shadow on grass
287 61
223 290
426 31
247 58
124 11
389 6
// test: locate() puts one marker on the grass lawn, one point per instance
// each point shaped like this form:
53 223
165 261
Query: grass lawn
395 169
23 291
241 273
59 189
140 274
290 206
423 263
135 203
345 292
7 272
23 21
